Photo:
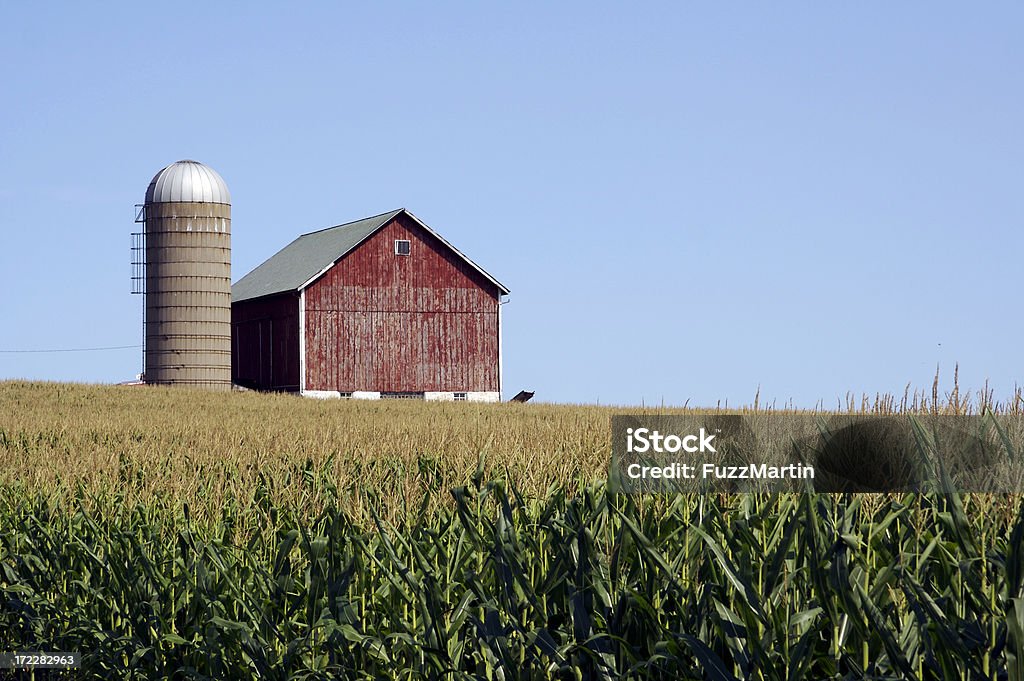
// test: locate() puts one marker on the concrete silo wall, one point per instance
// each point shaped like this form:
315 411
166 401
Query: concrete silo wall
188 294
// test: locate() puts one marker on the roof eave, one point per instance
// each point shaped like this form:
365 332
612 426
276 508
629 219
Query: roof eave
263 296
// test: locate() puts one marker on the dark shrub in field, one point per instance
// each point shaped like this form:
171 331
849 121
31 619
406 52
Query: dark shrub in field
867 455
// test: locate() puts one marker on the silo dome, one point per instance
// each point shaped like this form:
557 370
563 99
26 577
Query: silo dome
188 182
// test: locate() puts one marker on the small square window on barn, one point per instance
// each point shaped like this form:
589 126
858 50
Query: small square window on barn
402 247
459 397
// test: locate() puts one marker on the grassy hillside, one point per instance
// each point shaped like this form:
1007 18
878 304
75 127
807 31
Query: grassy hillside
173 447
158 445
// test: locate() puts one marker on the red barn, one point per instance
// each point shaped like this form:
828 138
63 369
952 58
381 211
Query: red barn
379 307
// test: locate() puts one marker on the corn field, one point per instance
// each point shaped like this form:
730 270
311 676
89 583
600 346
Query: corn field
184 535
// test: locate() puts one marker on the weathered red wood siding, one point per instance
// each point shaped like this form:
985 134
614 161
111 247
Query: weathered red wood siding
265 342
383 322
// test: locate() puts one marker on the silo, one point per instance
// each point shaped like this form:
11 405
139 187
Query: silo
188 277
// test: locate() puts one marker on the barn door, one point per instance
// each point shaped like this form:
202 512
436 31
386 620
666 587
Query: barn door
254 353
266 353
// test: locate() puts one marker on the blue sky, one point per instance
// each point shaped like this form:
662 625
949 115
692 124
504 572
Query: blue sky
687 200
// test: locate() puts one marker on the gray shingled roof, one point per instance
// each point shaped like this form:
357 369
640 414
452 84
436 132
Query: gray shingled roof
311 254
304 258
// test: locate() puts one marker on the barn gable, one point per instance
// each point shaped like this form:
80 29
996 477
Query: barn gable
308 257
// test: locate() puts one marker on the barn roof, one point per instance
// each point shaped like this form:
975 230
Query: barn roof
301 262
